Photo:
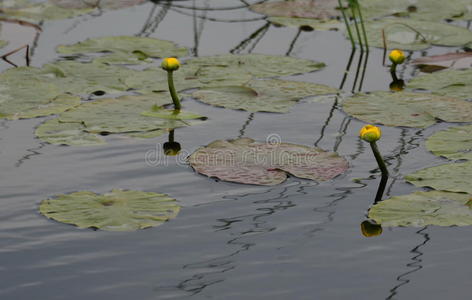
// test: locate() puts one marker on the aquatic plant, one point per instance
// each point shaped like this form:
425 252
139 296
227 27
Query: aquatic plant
170 65
397 57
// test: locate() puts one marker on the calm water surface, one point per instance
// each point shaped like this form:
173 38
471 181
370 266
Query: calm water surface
298 240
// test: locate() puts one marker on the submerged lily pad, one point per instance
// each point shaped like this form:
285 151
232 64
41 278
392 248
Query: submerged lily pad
407 108
435 63
124 49
424 208
123 115
453 83
246 161
272 95
314 9
400 35
453 143
453 177
118 210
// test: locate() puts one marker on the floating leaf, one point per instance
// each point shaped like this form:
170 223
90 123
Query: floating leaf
314 9
407 108
118 210
102 4
124 49
72 134
246 161
453 177
273 95
438 62
172 114
453 143
453 83
424 208
307 23
403 34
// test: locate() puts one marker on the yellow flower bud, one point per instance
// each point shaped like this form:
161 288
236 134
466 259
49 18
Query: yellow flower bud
397 56
370 229
170 64
370 133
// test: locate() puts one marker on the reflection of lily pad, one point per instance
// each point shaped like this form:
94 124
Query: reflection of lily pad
307 23
435 63
314 9
400 35
453 143
453 177
246 161
124 49
407 108
262 95
453 83
118 210
424 208
123 115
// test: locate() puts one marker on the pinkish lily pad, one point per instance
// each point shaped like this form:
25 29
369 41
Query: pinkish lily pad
247 161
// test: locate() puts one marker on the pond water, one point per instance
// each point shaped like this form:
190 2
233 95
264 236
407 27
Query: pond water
297 240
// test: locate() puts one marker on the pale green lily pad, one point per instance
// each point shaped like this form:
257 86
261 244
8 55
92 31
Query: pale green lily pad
453 143
123 115
453 83
125 49
400 35
407 108
314 24
118 210
27 96
247 161
171 114
102 4
420 209
318 9
273 95
453 177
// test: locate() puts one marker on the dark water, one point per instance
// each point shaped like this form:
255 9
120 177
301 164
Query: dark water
298 240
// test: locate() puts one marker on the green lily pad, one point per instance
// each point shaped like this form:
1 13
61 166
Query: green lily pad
72 134
272 95
118 210
318 9
102 4
314 24
247 161
407 108
124 49
453 177
400 35
171 114
27 96
424 208
453 143
453 83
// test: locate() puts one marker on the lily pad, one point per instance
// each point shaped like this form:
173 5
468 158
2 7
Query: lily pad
123 115
102 4
247 161
118 210
124 49
453 177
435 63
314 9
313 24
424 208
453 143
453 83
407 108
400 34
272 95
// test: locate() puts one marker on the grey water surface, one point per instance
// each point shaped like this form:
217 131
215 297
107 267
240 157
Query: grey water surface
297 240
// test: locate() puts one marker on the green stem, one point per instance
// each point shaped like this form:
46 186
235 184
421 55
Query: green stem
379 159
172 91
353 44
362 25
356 26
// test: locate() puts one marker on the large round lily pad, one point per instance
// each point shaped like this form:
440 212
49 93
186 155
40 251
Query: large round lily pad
453 83
400 35
119 210
314 9
272 95
124 49
452 177
129 115
407 108
247 161
424 208
453 143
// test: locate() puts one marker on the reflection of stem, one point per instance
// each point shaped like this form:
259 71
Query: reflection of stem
243 44
361 83
326 123
381 189
27 58
393 71
242 131
361 56
171 136
292 44
353 51
173 93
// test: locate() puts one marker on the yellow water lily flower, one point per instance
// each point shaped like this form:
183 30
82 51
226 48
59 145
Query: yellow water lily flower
370 133
170 64
397 56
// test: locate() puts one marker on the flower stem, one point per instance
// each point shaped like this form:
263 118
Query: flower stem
173 93
379 159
